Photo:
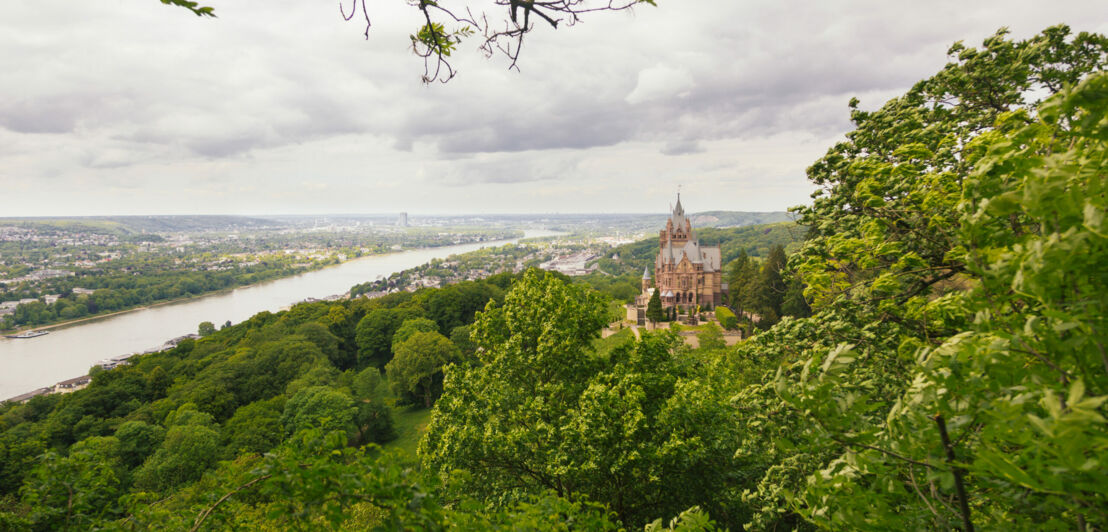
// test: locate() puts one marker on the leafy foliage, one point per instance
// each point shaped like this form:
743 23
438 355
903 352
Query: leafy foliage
416 370
949 338
192 6
539 410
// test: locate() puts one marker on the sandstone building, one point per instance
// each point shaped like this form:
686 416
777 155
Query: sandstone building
686 273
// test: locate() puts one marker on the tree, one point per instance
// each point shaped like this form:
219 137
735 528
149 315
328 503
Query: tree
76 491
462 337
454 305
158 382
254 428
499 34
742 284
411 327
540 410
654 308
930 388
138 440
793 304
20 446
206 328
374 419
327 343
416 369
374 334
711 337
319 407
192 6
187 452
772 287
1033 236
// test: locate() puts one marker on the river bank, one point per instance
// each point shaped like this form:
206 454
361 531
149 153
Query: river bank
73 347
315 267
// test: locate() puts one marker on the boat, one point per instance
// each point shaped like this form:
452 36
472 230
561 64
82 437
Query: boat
29 334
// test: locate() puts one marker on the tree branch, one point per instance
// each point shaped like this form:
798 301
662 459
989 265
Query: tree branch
959 484
208 511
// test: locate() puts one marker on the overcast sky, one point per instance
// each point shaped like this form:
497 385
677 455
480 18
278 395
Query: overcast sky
279 106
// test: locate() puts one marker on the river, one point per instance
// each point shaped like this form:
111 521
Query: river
70 350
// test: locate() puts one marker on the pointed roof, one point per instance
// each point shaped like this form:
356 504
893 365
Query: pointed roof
677 214
646 272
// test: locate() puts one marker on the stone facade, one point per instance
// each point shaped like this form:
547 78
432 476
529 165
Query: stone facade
686 273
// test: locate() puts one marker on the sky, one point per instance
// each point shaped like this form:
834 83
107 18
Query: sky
118 107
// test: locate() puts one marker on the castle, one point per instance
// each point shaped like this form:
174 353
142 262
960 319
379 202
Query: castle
686 273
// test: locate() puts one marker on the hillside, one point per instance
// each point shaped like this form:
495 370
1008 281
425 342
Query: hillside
755 240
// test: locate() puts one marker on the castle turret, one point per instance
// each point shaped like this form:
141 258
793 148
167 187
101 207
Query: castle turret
646 284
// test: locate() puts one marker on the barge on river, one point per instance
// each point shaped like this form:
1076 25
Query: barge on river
29 334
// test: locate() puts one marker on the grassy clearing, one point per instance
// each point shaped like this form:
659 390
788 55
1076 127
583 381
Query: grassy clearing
411 423
605 345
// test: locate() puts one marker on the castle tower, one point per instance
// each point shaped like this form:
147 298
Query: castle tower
687 274
678 229
646 283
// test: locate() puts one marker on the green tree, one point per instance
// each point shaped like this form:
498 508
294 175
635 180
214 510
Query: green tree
462 337
742 284
540 410
138 440
188 451
710 337
411 327
415 371
1032 236
374 420
158 382
454 305
947 366
654 308
254 428
771 289
794 303
374 334
19 448
75 492
319 407
206 328
327 343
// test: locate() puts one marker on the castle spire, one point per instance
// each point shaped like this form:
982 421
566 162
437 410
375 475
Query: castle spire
646 272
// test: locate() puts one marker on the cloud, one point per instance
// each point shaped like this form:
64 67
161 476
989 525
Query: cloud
503 169
273 96
658 82
682 147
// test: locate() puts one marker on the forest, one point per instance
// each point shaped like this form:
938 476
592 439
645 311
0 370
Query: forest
952 373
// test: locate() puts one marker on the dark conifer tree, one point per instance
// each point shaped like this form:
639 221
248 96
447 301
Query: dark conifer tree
654 308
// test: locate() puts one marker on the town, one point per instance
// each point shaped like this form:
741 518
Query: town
54 270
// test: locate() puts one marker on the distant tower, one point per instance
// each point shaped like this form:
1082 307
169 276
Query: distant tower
403 220
646 284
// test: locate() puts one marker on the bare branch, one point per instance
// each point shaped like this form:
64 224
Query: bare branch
434 43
